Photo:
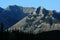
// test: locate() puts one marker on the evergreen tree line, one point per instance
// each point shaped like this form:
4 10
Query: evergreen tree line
19 35
16 35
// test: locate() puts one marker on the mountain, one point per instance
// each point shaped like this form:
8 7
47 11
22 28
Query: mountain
13 13
1 10
56 14
38 21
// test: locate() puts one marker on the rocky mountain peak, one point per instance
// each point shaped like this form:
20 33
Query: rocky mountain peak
39 10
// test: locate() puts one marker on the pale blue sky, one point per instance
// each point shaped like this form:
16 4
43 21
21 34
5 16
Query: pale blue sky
48 4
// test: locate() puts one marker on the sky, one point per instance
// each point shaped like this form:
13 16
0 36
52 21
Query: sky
48 4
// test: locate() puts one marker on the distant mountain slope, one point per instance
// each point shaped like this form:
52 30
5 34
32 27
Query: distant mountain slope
13 14
38 21
56 15
18 24
1 10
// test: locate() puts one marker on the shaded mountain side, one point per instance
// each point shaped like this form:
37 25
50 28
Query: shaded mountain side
12 14
19 24
8 20
1 10
56 15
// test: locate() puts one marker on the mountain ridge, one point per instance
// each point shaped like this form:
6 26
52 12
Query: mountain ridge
13 14
39 20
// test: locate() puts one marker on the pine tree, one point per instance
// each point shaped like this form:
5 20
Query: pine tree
1 30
